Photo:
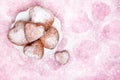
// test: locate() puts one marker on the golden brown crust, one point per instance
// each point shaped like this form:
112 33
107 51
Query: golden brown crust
62 57
34 49
47 24
17 26
33 31
50 38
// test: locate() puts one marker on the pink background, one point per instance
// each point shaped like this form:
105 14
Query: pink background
91 33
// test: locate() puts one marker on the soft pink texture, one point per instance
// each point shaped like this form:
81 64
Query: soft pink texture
100 10
112 30
94 51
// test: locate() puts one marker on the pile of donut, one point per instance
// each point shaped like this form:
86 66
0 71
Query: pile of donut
36 34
